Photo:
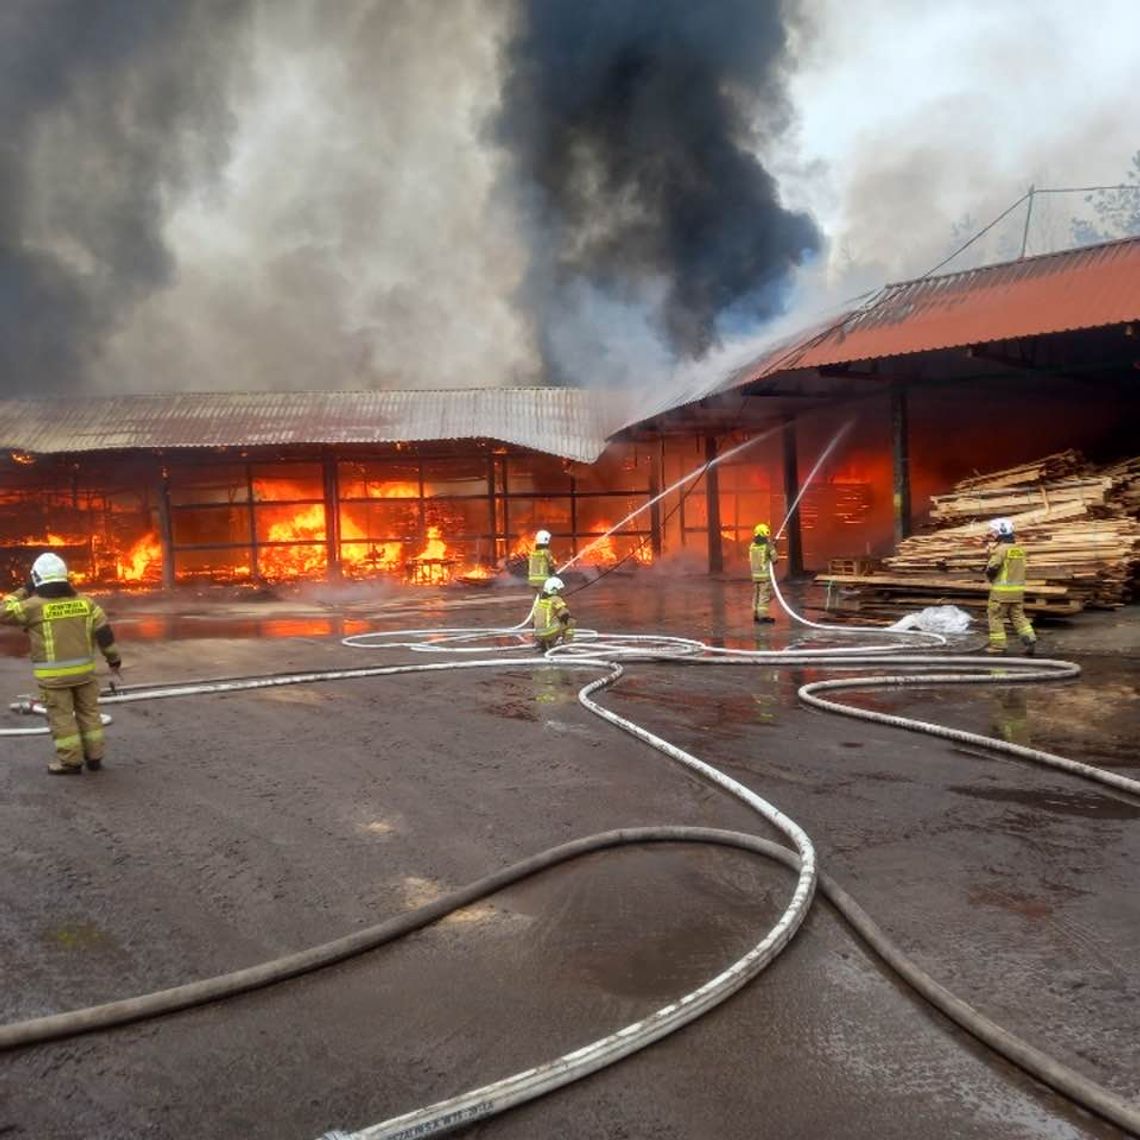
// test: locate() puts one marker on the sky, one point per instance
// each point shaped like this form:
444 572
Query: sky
293 194
915 115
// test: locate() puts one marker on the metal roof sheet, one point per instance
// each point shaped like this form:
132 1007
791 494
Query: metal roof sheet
1056 292
567 422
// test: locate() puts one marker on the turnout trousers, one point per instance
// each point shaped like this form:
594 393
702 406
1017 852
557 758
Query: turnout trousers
549 638
73 717
998 611
761 596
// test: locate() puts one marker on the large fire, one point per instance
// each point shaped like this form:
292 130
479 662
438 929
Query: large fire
281 533
143 562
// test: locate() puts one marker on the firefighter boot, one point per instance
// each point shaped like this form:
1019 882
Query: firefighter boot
1030 645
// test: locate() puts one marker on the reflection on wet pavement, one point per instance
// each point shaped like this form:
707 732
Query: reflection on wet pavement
1087 805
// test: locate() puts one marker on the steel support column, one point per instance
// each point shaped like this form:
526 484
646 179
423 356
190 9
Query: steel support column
712 498
655 507
332 516
166 531
791 491
900 457
254 557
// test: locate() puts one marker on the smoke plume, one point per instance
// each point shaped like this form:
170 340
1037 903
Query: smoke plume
635 128
111 108
281 194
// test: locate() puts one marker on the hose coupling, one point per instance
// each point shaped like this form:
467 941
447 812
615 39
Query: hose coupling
23 704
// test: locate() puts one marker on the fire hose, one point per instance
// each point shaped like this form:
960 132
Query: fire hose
605 652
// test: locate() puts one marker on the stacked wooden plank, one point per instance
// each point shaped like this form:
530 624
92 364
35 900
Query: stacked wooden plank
1078 526
1060 465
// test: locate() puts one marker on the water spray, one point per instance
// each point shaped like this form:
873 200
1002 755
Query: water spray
696 473
813 472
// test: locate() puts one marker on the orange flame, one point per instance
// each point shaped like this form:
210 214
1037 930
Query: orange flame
307 525
396 490
436 548
143 561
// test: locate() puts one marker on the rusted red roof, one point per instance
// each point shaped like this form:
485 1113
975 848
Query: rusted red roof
1056 292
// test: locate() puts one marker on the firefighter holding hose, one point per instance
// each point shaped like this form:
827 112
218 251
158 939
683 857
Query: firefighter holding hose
1005 570
553 621
540 565
761 556
65 628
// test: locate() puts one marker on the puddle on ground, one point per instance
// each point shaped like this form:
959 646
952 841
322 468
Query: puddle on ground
418 892
1086 805
73 936
514 710
182 627
1024 905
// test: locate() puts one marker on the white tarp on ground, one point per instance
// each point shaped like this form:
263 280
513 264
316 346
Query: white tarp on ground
936 619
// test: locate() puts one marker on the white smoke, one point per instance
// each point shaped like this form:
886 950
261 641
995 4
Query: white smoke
353 239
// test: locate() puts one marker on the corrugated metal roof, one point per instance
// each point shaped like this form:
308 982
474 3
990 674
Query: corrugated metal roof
560 421
1057 292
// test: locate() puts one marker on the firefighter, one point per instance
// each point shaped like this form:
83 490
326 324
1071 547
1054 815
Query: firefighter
540 566
762 556
1005 570
552 620
64 629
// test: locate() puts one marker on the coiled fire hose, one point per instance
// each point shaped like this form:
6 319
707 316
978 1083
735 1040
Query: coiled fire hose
598 652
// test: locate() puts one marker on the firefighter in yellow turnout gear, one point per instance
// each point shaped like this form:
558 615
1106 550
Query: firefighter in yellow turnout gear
64 629
540 565
761 556
1006 571
552 619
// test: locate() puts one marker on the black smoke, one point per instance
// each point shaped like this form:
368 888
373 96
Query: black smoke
634 128
111 108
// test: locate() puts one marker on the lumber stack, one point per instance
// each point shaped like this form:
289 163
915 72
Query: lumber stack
1078 525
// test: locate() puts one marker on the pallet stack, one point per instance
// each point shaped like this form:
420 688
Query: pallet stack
1078 525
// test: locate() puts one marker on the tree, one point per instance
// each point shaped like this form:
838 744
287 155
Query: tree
1117 211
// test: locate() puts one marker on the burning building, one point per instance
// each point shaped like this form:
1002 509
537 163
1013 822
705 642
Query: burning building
425 486
934 379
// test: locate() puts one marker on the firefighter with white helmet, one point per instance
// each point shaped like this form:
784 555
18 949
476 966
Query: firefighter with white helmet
761 557
1005 569
540 565
552 619
64 628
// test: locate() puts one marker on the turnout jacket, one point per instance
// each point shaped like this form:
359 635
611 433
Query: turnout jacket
761 555
64 629
1006 572
550 614
540 566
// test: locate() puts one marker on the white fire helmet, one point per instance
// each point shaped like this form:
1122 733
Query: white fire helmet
542 538
1001 527
48 568
552 585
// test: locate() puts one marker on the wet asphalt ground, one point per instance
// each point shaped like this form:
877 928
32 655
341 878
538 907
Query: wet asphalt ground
232 829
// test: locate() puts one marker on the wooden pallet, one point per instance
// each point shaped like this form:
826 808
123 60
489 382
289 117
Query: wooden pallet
853 565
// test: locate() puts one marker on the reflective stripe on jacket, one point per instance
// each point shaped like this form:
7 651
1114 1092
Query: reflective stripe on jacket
761 555
62 632
548 613
540 566
1008 584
